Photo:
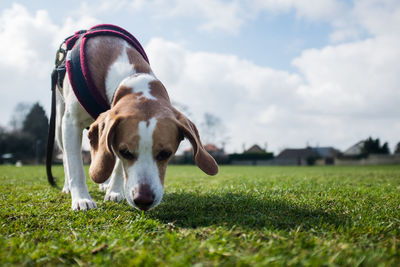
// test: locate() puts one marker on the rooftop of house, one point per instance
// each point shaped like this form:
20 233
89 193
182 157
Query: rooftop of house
291 153
211 147
326 152
323 152
255 149
355 149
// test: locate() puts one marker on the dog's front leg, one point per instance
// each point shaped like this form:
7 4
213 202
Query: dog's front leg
115 190
60 109
72 141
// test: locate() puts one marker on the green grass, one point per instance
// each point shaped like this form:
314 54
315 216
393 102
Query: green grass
245 216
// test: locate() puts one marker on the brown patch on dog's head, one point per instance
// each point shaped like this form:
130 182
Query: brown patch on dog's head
126 141
166 140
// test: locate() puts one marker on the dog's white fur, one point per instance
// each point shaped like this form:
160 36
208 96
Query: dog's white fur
118 71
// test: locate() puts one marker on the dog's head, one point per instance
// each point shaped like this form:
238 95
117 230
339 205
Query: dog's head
144 138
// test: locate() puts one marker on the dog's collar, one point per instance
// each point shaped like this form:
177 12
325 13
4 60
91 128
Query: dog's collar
72 53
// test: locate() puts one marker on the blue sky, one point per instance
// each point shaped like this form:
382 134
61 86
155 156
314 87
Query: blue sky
283 72
269 39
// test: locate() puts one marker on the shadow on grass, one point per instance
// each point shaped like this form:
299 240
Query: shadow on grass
190 210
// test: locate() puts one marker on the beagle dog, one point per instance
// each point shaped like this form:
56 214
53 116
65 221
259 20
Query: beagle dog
132 142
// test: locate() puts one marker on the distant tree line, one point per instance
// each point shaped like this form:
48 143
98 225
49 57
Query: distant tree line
251 156
27 138
397 149
373 146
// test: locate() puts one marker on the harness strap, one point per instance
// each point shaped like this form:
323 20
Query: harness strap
107 28
72 58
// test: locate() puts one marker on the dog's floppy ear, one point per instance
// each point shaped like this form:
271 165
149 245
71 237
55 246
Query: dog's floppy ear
201 157
101 135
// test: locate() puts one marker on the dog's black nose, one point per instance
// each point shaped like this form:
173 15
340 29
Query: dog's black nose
143 196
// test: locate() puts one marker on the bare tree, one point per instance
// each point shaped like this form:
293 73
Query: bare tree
182 108
20 112
213 130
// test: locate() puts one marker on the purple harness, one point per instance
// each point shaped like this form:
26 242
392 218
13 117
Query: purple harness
75 64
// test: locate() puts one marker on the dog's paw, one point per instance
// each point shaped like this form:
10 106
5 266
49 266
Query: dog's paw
83 204
114 196
103 187
66 190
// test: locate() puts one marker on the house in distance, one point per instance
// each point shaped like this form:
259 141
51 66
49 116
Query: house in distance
307 156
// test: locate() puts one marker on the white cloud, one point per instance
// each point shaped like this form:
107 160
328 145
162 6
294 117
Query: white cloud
28 42
24 37
227 16
218 15
359 77
367 18
311 9
378 17
350 20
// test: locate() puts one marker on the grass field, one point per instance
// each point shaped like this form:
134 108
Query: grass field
245 216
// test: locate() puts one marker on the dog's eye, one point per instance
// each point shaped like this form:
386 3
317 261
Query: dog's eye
163 155
125 153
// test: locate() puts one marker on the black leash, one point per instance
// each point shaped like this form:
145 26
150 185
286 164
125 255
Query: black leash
52 128
57 77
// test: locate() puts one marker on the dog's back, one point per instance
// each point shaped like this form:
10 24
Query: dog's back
111 59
